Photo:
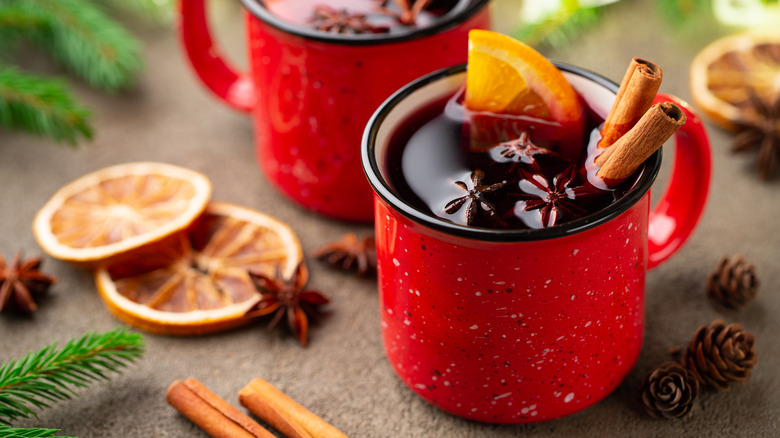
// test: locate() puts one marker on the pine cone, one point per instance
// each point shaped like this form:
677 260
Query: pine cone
733 283
669 391
721 354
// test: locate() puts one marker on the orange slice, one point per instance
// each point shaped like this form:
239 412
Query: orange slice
506 76
509 77
200 282
723 73
116 210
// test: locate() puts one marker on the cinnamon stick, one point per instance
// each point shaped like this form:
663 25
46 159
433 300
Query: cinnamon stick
635 95
632 149
211 413
283 413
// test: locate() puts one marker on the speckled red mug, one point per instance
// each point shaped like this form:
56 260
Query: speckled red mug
311 93
516 326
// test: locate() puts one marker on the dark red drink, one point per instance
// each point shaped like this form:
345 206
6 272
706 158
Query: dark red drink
493 171
361 16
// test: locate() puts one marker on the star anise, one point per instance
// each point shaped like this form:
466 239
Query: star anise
349 253
286 297
763 134
474 197
520 150
22 280
328 19
553 201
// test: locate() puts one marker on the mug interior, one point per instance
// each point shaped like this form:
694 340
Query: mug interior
597 90
462 11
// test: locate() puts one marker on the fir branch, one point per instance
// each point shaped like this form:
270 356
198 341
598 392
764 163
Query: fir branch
14 17
49 375
15 22
41 106
87 42
10 432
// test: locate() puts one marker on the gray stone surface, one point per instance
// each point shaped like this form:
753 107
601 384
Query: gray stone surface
343 375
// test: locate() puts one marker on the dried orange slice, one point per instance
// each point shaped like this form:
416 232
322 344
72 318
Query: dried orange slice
200 283
506 76
724 73
113 211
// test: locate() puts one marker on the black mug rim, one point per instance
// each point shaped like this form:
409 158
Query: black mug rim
260 12
382 188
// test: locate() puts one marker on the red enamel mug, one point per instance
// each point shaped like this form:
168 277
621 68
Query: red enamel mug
519 326
311 93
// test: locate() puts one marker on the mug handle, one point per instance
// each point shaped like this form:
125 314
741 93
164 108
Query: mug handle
678 211
232 87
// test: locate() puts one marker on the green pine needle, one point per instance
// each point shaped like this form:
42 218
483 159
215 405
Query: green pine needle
87 42
14 17
50 375
10 432
41 106
15 22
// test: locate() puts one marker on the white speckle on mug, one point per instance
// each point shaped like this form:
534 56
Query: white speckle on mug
474 327
419 386
574 252
479 294
569 397
389 311
446 383
587 324
407 322
396 262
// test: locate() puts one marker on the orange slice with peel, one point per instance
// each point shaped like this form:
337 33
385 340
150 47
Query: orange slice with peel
119 209
724 73
199 283
506 76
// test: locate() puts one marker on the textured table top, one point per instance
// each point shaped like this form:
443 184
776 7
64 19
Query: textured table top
343 375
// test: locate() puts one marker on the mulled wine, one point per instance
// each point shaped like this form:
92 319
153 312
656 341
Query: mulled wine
496 171
363 16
